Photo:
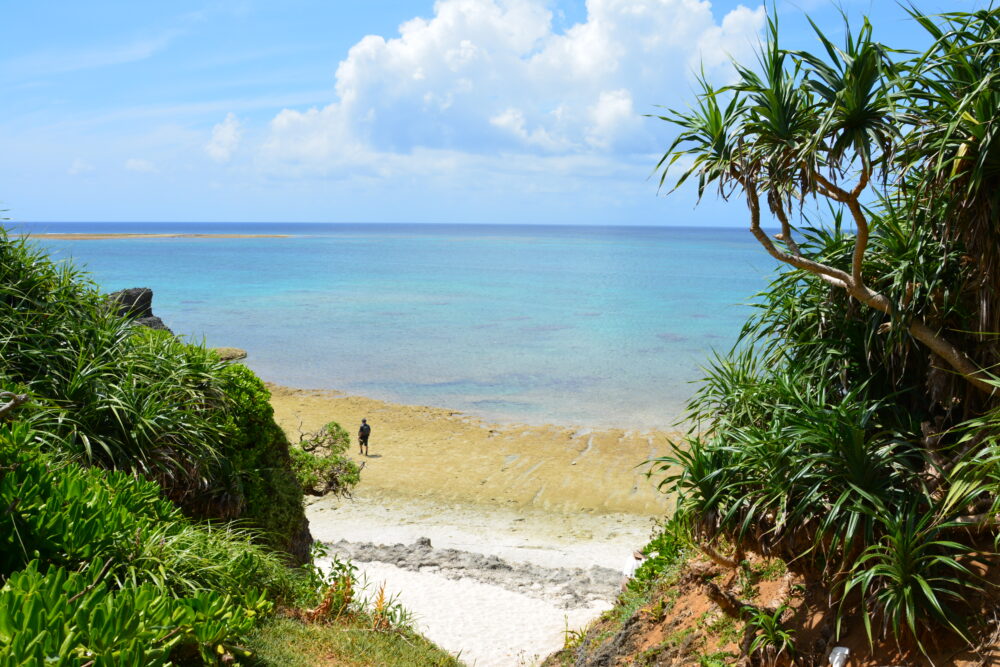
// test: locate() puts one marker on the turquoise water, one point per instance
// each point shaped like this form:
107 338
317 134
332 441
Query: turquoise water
571 325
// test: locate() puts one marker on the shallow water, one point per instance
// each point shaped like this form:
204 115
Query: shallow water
575 325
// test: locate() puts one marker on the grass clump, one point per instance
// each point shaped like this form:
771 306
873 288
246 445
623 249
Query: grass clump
353 622
665 553
347 641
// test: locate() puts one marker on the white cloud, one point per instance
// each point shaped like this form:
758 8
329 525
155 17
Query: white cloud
735 37
493 77
513 121
225 139
612 116
139 165
79 166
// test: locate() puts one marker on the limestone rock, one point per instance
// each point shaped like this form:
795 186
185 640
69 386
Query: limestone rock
137 302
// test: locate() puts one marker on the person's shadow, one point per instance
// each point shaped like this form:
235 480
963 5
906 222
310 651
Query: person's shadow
372 456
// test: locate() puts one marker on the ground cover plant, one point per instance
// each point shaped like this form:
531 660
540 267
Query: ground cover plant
853 430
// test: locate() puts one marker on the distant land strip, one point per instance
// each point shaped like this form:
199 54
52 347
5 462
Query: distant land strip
96 237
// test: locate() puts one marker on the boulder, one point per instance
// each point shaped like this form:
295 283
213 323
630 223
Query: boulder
137 302
134 301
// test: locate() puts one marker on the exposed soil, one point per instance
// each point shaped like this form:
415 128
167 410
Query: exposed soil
699 618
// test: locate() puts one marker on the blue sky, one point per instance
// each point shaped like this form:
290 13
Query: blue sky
519 111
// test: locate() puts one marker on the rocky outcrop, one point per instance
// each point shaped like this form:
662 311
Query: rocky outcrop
569 587
137 302
230 353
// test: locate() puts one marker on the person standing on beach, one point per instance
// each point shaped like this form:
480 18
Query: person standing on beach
363 434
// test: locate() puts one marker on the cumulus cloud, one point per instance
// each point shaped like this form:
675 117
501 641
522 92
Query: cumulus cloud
493 77
139 165
225 139
718 45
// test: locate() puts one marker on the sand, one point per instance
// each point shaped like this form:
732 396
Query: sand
496 537
99 237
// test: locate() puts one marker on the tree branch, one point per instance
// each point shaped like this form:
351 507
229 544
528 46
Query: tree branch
860 241
838 193
786 231
860 221
854 285
14 401
955 358
833 276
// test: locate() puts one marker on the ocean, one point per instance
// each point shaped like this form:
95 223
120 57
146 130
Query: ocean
586 326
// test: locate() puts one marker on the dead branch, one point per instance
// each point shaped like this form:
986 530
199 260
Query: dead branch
94 583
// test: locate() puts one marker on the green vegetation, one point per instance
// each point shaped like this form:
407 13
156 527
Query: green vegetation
98 565
125 456
854 428
350 625
105 393
255 467
347 642
770 638
321 464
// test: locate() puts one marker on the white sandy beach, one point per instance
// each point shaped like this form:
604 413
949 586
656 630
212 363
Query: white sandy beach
476 613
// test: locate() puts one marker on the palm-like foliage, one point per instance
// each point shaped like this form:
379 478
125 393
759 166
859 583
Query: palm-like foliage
913 576
952 154
829 435
708 139
853 86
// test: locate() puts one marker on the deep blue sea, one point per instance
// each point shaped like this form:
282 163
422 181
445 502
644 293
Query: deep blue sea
592 326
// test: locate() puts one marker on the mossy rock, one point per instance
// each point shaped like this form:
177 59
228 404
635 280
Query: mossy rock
230 353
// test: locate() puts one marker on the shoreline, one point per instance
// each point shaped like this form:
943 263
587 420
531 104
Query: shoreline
74 236
441 454
497 538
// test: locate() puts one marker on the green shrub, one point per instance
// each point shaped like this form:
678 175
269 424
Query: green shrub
321 465
667 550
129 398
57 513
97 565
258 463
103 391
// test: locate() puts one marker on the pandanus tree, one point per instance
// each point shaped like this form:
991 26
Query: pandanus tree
857 426
854 128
